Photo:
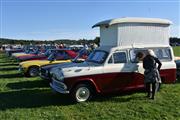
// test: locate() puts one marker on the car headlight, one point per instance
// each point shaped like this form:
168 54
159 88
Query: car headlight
58 76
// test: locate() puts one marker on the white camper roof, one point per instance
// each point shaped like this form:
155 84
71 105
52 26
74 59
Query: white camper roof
132 20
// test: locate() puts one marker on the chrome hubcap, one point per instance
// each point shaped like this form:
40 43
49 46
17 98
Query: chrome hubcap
82 94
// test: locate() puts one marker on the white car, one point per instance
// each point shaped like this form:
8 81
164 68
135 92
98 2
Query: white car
109 69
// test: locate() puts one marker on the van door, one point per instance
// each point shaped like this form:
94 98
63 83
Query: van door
138 71
117 71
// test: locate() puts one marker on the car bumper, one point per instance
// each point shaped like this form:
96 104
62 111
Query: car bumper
44 74
59 87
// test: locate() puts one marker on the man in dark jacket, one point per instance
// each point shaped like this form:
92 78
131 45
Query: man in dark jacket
151 73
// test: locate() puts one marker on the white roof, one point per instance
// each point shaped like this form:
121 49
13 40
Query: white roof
114 48
133 20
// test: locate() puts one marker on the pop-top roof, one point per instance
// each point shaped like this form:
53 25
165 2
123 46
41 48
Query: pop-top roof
132 20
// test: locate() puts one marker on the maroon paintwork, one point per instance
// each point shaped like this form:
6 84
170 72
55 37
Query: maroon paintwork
109 82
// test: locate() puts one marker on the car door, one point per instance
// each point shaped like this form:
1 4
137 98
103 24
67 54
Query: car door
118 71
138 71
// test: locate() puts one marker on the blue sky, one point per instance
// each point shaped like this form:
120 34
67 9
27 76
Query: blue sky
73 19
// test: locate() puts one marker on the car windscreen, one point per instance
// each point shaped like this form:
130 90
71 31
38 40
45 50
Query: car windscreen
97 56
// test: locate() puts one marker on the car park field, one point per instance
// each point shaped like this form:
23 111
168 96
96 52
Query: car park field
24 98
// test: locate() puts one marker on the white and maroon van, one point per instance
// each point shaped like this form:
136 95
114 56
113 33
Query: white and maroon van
113 66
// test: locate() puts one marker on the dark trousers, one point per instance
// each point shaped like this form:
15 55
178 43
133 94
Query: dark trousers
148 89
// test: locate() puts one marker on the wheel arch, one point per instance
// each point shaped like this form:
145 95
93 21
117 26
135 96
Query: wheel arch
89 82
33 66
27 71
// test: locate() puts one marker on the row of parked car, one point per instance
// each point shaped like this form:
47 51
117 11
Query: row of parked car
31 59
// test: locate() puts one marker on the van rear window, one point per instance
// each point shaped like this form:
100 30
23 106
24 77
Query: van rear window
163 54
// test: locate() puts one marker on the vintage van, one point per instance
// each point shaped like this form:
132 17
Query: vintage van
113 66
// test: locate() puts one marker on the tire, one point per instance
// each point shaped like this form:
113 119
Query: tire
82 93
33 71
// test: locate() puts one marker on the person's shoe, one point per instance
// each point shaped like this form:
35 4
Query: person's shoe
148 96
152 98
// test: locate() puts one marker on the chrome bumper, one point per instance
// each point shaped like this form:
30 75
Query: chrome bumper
59 87
43 76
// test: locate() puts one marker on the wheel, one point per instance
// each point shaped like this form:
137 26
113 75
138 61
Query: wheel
81 93
33 71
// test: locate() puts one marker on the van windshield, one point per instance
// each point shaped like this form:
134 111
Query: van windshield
98 56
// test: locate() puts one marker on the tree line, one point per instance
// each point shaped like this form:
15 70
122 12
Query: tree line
172 41
59 41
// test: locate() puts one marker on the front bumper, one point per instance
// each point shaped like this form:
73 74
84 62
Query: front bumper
59 87
44 74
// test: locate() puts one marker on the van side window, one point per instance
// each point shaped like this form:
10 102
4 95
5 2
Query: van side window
134 53
163 54
120 57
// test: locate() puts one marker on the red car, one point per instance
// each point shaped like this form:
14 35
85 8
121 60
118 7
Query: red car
45 55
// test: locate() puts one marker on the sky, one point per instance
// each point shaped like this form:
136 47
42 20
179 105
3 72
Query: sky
73 19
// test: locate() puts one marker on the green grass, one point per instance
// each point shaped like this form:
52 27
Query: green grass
24 98
176 51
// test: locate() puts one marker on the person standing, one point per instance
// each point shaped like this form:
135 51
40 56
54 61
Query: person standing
151 73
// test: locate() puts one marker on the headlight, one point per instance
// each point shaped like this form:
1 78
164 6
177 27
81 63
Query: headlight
58 76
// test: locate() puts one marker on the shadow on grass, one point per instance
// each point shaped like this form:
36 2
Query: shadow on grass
16 75
178 80
31 99
41 98
28 84
8 69
9 64
120 97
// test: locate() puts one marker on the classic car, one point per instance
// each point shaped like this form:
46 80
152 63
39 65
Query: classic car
30 51
114 66
107 70
11 51
40 56
31 68
45 69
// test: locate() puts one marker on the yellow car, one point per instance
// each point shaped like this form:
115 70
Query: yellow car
31 68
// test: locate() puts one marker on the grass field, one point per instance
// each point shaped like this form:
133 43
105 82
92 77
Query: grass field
176 51
24 98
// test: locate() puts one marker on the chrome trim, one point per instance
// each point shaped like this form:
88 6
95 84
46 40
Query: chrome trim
57 86
43 76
